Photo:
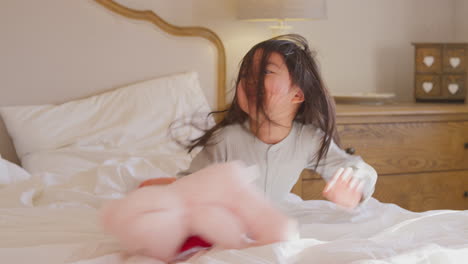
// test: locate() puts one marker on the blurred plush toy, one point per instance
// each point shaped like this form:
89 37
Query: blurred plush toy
217 206
193 243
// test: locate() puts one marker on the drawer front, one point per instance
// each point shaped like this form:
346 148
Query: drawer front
454 60
429 59
415 192
396 148
454 86
427 86
422 192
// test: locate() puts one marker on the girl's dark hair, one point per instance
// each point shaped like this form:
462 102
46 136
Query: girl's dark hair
317 109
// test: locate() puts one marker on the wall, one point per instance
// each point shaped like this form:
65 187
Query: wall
363 46
461 20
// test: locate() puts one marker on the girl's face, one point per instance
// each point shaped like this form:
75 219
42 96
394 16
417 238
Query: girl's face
281 97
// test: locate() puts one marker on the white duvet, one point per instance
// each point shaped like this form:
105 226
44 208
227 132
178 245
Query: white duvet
45 218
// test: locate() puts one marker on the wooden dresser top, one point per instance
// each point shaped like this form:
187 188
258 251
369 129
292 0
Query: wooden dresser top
401 112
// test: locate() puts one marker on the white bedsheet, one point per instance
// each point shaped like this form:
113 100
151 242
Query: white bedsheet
48 220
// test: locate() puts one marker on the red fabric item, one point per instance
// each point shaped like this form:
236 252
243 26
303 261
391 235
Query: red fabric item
194 241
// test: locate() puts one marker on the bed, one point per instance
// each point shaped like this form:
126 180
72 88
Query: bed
109 131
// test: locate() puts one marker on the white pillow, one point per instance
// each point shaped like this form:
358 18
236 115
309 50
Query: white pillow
130 121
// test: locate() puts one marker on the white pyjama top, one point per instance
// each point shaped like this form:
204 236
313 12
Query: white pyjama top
281 164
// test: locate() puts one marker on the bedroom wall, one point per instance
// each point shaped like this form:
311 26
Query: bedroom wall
461 20
363 46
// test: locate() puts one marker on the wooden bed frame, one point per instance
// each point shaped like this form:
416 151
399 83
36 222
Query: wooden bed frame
202 32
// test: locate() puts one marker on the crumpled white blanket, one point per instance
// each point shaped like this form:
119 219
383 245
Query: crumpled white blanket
46 218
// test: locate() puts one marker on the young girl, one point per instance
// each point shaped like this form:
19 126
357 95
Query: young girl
283 120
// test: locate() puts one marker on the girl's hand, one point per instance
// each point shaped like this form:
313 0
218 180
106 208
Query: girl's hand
343 189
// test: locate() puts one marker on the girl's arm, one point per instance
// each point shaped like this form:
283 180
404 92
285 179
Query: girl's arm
337 158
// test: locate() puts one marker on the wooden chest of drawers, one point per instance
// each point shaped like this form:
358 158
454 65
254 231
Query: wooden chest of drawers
441 71
420 152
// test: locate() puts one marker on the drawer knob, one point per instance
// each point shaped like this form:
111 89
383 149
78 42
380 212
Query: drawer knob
466 193
466 145
350 150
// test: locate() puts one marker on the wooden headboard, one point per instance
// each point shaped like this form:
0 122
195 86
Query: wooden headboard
82 48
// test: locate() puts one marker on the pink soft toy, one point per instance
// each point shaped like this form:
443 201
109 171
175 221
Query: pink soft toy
217 203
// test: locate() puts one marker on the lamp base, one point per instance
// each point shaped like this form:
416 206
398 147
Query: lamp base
280 29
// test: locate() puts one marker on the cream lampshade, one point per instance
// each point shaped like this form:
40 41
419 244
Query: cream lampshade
281 11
